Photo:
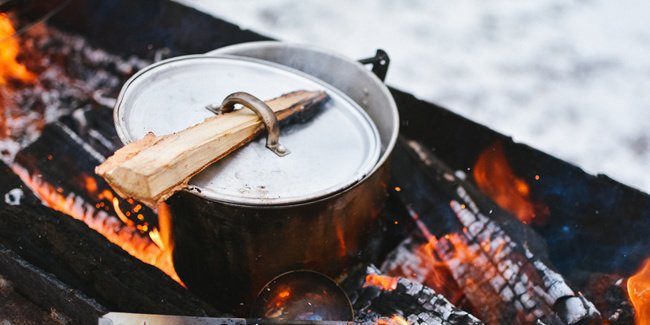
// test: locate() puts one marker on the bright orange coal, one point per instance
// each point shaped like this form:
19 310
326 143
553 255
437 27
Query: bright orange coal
393 320
130 239
495 178
638 289
10 68
384 282
429 268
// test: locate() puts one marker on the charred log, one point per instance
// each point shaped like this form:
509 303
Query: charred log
87 262
410 300
499 263
59 168
18 309
63 303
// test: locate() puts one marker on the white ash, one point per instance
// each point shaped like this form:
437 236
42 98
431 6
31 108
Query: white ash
82 80
14 197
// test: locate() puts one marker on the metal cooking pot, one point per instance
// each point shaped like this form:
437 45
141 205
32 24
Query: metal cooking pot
249 217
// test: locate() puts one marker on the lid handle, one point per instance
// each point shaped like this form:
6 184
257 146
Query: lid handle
262 110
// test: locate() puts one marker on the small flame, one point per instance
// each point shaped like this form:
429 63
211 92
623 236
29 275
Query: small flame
384 282
638 289
10 68
496 179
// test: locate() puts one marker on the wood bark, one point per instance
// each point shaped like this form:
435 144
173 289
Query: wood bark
153 168
44 290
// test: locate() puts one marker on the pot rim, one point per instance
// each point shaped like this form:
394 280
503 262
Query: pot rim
383 158
383 88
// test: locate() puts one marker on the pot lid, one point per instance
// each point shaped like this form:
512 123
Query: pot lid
330 152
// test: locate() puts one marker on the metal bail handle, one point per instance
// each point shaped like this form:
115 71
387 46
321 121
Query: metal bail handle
379 63
263 111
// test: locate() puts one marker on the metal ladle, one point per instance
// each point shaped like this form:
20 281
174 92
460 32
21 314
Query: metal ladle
302 295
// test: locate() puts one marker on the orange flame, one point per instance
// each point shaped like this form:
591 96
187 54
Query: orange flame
9 66
127 237
638 289
428 268
384 282
495 178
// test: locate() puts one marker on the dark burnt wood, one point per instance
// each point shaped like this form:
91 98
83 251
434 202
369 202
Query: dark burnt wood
17 309
55 298
84 260
141 27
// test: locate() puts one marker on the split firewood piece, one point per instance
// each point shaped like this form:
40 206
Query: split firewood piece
152 169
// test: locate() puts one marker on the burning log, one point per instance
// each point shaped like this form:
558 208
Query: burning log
58 168
378 298
87 262
498 263
153 168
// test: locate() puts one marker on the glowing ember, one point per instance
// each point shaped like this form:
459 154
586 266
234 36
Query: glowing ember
393 320
638 288
429 269
9 66
381 281
127 237
495 178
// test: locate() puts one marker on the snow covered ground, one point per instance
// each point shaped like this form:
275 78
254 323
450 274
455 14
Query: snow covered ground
571 78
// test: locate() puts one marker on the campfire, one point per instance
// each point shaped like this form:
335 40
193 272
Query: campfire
484 231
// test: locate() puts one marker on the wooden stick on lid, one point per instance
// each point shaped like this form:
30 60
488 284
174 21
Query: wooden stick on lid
152 169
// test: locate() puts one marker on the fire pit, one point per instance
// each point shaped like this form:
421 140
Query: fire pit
476 228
